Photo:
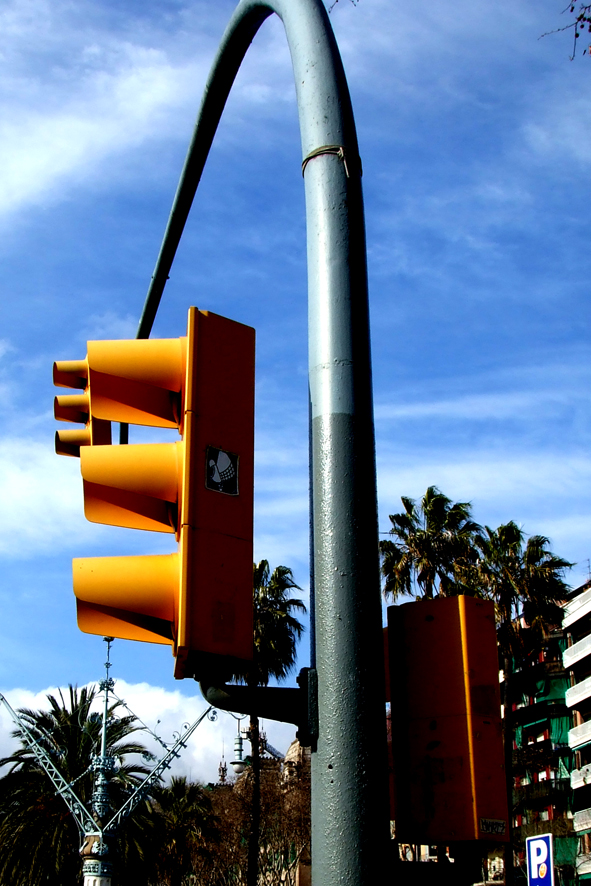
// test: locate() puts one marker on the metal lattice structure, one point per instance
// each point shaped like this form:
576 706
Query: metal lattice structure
95 836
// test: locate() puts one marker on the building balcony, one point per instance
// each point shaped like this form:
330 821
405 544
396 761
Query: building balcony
577 608
583 864
580 735
582 820
551 789
533 713
576 652
578 693
538 754
550 667
559 827
580 778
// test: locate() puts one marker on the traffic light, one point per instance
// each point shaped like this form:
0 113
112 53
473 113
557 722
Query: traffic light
446 730
198 599
76 408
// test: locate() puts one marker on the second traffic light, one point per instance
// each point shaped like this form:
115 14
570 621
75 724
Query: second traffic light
198 599
448 777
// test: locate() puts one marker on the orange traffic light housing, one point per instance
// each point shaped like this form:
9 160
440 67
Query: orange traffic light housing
76 408
198 599
447 762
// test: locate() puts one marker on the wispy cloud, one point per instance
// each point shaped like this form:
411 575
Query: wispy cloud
517 406
108 114
478 259
109 325
558 128
488 477
90 94
40 499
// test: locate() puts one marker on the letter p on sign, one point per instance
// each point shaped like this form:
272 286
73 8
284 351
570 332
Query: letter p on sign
540 861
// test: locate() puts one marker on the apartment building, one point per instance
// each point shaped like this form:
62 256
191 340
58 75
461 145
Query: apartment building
542 756
577 662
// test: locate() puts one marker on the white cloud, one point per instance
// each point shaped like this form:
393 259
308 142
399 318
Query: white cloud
94 89
109 113
165 713
97 87
490 476
88 90
40 499
428 45
109 325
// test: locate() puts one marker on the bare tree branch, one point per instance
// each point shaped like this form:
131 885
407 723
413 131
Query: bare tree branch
580 24
334 3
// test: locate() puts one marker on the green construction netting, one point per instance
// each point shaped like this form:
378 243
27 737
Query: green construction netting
565 850
539 721
559 729
551 688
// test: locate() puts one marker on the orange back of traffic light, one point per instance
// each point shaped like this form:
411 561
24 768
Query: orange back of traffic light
447 745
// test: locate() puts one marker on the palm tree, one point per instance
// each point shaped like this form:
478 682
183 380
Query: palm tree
276 632
433 552
276 629
526 582
38 835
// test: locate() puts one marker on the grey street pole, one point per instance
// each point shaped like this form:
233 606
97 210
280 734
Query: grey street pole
349 793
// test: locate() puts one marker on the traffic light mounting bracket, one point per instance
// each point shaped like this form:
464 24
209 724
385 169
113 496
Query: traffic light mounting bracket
298 706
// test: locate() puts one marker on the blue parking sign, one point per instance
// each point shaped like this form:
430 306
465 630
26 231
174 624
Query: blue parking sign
540 860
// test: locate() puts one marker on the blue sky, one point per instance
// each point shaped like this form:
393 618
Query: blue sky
474 137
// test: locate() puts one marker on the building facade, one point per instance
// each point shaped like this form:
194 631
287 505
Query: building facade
577 662
542 755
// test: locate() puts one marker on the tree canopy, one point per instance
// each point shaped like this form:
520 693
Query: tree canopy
525 580
432 548
276 626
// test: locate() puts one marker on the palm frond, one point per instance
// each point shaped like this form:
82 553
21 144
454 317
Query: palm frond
433 548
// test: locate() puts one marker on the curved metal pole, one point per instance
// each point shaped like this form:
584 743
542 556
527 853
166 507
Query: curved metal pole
349 799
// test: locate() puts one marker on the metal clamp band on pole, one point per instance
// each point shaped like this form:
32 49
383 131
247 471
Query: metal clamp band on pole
349 789
340 152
